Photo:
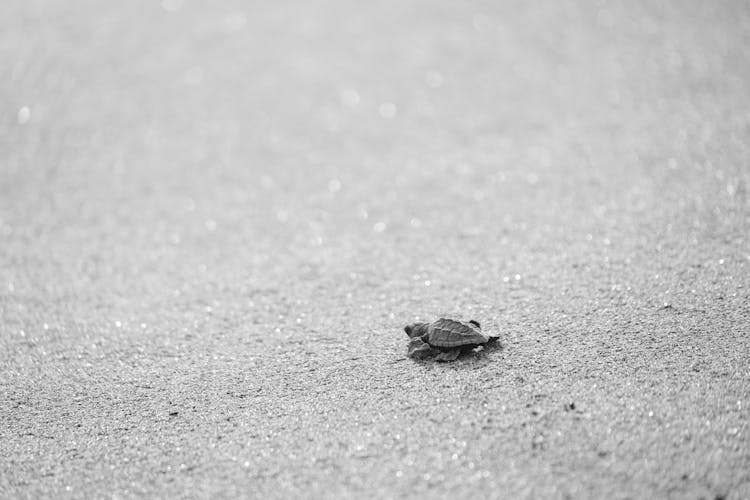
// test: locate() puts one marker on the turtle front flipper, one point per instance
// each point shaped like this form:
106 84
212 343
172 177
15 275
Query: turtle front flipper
476 323
449 355
419 349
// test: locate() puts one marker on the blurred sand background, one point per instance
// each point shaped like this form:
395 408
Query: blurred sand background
217 217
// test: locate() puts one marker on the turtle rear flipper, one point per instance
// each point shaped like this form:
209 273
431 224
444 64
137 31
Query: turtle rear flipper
493 343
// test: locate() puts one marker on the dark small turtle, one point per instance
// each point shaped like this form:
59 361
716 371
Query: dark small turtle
445 339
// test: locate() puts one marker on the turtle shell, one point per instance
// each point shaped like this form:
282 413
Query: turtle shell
451 333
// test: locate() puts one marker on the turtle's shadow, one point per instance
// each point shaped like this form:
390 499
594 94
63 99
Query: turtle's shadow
482 356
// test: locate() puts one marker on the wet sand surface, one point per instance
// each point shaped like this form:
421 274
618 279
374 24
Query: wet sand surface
216 219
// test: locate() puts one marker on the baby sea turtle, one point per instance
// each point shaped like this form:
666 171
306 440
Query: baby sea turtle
445 339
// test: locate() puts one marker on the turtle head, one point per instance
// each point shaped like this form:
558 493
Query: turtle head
416 329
